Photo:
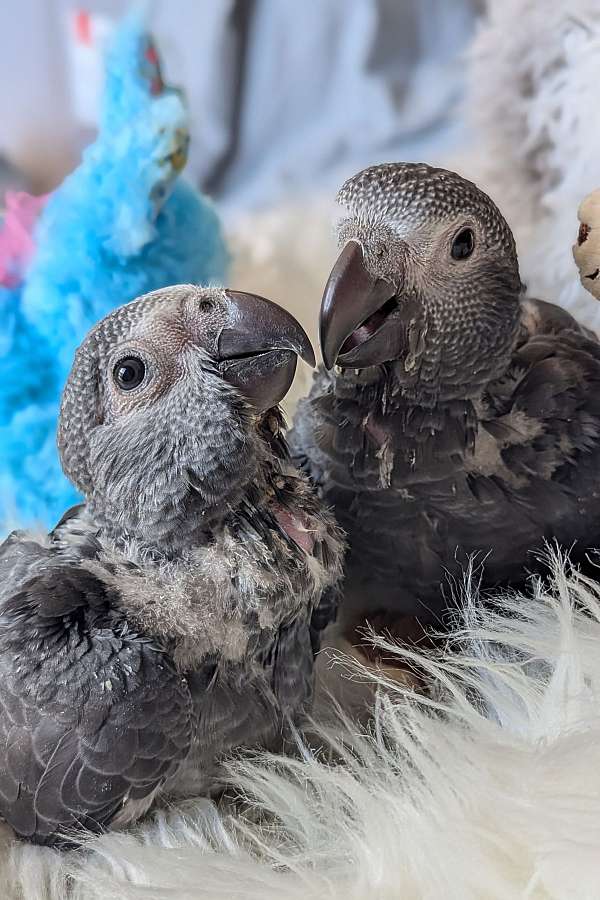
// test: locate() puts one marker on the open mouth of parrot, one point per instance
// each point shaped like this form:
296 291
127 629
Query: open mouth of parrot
356 309
369 327
251 354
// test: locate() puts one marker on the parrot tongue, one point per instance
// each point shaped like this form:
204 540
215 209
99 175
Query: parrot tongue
369 327
296 526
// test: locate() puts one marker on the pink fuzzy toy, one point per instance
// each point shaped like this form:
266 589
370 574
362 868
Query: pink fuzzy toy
16 235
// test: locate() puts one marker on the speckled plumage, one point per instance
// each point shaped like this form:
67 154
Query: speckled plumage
480 435
170 617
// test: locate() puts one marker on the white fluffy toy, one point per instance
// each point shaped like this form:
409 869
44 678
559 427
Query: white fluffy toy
535 145
586 249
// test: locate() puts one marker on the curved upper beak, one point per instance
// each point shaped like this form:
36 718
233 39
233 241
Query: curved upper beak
258 348
351 296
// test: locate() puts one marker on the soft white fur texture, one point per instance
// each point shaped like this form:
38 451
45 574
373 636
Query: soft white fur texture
487 787
533 77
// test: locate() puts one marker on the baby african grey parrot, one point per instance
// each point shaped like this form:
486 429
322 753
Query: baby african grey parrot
167 619
454 416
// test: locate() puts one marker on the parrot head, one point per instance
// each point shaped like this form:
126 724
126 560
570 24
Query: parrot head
161 413
427 280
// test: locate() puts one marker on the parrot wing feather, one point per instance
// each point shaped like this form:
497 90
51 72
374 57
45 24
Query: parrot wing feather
91 715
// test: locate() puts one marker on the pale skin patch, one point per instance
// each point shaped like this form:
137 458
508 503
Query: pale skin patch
586 249
486 458
530 317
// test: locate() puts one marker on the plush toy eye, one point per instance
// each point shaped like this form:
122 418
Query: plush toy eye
129 373
463 244
584 230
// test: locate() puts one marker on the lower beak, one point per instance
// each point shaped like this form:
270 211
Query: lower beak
352 300
258 348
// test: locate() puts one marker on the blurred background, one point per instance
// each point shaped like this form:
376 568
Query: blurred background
285 97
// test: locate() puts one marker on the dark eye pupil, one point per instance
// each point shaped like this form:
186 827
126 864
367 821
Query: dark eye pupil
126 374
129 373
463 243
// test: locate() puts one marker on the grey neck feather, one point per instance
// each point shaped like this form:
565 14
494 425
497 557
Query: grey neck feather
171 530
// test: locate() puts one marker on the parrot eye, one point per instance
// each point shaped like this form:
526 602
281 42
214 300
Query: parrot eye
463 244
129 373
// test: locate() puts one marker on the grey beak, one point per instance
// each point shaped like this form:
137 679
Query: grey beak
258 348
351 295
256 324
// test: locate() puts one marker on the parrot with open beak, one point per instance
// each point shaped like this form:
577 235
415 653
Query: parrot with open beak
454 419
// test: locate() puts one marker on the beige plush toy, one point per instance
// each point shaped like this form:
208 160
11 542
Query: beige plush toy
587 249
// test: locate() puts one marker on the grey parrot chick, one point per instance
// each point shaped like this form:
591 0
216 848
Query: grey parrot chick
455 418
173 616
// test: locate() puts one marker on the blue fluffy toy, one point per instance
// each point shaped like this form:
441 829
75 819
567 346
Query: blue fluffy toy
121 224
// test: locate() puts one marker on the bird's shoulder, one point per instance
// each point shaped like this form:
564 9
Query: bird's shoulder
545 410
65 618
22 554
25 554
91 713
539 317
